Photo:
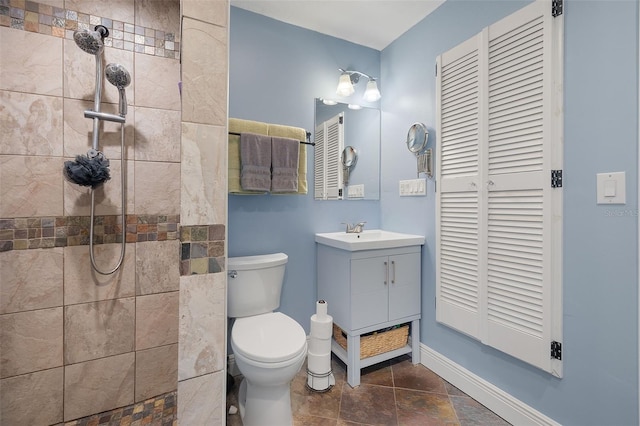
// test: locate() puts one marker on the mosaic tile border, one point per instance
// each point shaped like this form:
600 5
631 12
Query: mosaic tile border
161 411
50 20
63 231
202 249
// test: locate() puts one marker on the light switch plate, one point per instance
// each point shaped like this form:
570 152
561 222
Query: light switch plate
413 187
611 188
355 191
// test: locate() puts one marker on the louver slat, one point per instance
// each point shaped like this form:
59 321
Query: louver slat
515 283
515 101
459 116
459 250
333 156
319 165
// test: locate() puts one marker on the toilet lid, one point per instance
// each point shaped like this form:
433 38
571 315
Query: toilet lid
272 337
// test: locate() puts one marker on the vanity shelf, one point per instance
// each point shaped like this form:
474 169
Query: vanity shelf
370 290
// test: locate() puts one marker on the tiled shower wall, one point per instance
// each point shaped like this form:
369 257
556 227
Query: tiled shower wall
202 360
75 343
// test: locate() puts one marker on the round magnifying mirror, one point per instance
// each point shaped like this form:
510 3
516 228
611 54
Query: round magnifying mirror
349 156
417 137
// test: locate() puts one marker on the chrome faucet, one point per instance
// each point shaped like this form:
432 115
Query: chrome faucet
354 229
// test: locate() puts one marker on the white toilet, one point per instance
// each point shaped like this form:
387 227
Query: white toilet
269 347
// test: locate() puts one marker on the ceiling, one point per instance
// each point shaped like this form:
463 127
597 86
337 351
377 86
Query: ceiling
371 23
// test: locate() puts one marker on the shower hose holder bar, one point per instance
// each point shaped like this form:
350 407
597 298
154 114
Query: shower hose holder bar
104 116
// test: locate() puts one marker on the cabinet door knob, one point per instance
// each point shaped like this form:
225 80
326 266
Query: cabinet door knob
386 273
393 273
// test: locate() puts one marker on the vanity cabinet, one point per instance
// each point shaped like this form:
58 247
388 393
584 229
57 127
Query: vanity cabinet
370 290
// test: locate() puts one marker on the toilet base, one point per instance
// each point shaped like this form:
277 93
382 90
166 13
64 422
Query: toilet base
265 406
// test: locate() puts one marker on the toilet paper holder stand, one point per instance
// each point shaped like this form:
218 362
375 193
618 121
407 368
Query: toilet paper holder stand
326 377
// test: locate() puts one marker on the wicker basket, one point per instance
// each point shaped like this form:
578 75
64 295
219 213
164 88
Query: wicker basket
377 342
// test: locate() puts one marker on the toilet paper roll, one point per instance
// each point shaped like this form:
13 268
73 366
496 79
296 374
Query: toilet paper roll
321 328
319 346
321 310
319 364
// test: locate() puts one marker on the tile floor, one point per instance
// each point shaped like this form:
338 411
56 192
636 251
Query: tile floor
395 392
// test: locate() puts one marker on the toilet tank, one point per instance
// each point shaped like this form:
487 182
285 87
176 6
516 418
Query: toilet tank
254 284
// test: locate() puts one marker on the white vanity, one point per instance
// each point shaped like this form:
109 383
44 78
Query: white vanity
371 281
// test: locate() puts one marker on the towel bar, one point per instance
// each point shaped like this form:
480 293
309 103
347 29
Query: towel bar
304 142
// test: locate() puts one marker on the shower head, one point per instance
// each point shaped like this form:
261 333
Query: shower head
91 41
119 77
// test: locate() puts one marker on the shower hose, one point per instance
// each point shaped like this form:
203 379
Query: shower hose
123 210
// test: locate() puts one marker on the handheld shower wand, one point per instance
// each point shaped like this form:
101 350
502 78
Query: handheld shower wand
119 77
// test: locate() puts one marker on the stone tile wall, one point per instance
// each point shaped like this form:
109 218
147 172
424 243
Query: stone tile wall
202 329
76 343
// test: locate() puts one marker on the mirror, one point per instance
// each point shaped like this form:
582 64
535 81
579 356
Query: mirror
417 137
362 135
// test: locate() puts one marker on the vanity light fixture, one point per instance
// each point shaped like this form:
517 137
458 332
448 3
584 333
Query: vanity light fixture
349 78
346 82
371 94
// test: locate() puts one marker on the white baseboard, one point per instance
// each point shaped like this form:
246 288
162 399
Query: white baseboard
500 402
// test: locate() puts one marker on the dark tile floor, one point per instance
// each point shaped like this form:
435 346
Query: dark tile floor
395 392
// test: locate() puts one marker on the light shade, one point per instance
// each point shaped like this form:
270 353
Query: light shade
371 94
345 87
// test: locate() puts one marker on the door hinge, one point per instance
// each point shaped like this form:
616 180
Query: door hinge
556 8
556 350
436 69
341 120
556 178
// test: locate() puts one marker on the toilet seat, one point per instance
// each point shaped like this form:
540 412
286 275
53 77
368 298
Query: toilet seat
268 338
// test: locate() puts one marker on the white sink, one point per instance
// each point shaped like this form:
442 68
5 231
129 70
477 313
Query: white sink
369 239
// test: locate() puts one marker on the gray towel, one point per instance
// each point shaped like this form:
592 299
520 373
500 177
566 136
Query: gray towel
284 160
255 159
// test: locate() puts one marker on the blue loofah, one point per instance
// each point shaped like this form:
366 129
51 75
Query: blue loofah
86 171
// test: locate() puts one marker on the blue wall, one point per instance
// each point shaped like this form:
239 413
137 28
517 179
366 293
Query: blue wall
600 349
277 69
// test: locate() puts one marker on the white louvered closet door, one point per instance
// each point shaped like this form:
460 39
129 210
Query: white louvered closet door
518 254
329 139
519 157
458 171
319 163
335 145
